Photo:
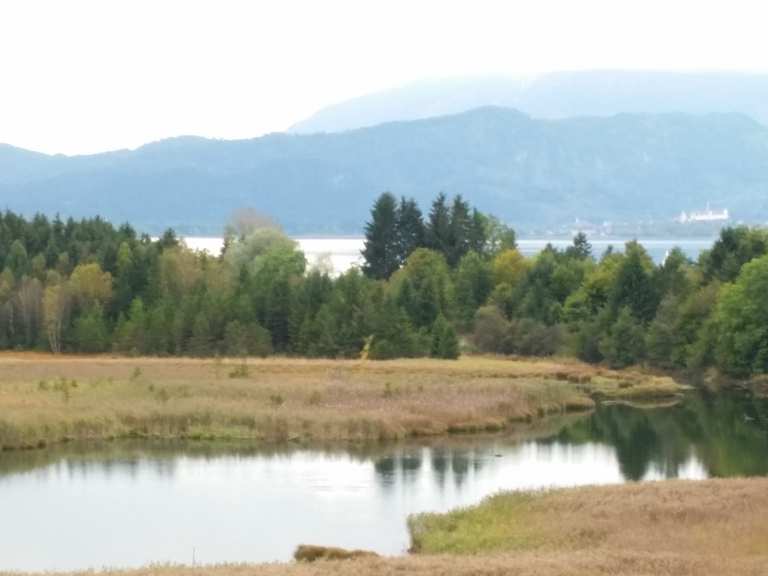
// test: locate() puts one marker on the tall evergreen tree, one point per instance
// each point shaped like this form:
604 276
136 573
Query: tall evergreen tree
381 251
460 231
581 248
445 343
439 225
478 240
410 229
634 285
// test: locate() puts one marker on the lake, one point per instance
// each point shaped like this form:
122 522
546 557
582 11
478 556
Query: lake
125 504
340 254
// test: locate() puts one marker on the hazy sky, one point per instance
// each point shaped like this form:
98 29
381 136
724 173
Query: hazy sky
81 76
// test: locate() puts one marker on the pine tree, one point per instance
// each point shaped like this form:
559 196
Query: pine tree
473 284
460 231
438 226
393 335
17 260
581 248
449 345
634 285
445 343
478 240
624 344
381 251
410 229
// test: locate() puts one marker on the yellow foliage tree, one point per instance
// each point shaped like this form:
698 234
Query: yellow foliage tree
90 285
509 267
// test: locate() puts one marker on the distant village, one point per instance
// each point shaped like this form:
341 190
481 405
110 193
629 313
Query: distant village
696 223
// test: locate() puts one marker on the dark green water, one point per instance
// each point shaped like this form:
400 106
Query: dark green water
130 504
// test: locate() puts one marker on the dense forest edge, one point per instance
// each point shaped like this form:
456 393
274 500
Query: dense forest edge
432 285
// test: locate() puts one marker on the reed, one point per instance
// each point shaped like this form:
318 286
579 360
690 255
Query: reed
48 399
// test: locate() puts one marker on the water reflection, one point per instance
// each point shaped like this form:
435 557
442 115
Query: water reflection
128 504
728 434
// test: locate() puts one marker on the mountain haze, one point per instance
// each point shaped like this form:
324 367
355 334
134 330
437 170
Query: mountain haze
556 95
531 173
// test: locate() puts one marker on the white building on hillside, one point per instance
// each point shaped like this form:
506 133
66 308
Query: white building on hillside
707 215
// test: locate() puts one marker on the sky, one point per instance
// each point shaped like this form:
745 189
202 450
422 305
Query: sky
85 76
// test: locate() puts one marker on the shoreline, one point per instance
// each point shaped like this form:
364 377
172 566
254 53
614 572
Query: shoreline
673 527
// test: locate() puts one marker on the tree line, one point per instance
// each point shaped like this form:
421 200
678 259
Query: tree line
430 286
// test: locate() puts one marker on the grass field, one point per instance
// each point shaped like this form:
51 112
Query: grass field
680 528
46 399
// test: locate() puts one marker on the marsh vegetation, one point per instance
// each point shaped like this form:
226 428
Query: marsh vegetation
47 399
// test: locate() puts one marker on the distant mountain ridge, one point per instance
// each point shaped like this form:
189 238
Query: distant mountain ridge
556 95
531 173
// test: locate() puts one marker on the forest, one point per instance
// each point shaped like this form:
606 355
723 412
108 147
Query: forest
435 284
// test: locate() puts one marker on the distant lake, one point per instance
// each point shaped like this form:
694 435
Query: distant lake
344 252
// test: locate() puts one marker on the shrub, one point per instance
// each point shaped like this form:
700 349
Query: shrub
490 329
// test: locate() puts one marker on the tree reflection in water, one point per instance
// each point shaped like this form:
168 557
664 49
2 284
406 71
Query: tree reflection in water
726 433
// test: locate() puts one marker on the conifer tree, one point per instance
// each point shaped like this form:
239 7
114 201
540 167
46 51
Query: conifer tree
581 248
409 230
634 285
478 240
624 344
439 225
460 232
381 252
393 335
445 343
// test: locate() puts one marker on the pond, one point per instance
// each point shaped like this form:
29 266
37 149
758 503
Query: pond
125 504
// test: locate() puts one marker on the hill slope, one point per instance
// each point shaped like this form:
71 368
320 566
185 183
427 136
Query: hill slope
529 172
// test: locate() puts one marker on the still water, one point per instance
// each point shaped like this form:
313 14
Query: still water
337 255
128 504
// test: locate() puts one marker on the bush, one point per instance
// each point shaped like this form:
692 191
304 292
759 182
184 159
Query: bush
490 329
247 339
527 337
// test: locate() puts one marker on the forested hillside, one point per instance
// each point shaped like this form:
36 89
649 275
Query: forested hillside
530 173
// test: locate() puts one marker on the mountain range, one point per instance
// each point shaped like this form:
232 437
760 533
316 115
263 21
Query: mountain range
554 95
530 172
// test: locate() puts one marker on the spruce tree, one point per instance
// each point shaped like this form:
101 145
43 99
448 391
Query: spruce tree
445 343
459 232
624 344
478 240
634 285
381 252
581 248
438 226
393 335
410 229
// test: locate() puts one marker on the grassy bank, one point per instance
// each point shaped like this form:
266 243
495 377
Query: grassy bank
46 399
729 517
711 527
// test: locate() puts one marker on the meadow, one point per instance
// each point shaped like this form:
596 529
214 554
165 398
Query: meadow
47 399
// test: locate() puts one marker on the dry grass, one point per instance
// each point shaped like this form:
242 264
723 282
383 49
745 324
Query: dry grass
526 564
713 527
686 518
45 399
